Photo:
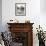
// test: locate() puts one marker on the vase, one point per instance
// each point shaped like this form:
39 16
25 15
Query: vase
41 43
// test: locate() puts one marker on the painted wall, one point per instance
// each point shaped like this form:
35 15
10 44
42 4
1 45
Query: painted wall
43 14
33 13
43 6
0 15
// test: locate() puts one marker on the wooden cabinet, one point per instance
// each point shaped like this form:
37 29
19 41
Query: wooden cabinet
22 33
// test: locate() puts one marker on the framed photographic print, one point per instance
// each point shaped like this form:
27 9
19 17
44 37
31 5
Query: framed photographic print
20 9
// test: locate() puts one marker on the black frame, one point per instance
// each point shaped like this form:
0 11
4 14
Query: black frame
24 8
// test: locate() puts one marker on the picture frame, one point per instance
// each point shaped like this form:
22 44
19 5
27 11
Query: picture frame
20 9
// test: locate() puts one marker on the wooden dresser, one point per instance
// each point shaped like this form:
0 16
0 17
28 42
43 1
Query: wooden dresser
22 33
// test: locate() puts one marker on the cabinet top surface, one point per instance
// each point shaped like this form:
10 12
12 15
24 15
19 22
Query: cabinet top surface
19 23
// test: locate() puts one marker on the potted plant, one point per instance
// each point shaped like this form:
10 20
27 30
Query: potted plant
41 36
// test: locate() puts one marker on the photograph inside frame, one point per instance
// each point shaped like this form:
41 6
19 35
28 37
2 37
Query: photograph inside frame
20 9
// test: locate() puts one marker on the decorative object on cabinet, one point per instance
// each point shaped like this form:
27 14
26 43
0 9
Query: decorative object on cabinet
27 21
22 33
13 21
20 9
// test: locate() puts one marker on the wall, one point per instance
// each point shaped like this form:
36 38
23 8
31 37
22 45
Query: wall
43 14
33 13
43 6
0 15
